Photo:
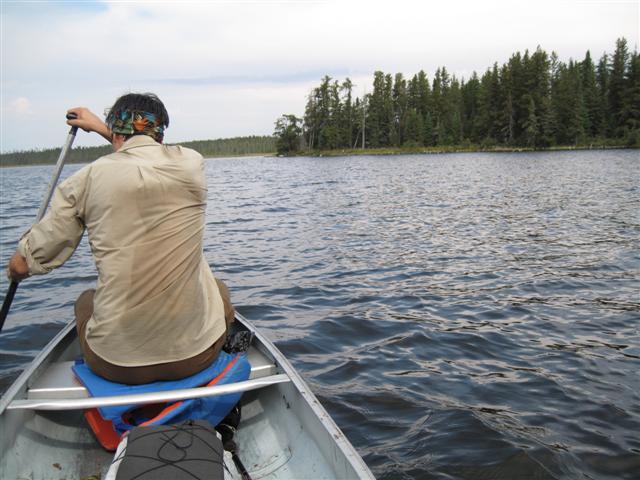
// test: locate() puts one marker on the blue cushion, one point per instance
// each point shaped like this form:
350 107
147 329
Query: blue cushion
212 409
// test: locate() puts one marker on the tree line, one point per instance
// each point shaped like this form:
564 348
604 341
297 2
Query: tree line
208 148
533 100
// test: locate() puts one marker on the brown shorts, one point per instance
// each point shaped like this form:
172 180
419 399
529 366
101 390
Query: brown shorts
147 373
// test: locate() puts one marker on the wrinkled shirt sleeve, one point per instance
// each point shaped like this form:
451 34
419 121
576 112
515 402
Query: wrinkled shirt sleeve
50 242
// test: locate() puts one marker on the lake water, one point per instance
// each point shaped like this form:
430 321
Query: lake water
461 316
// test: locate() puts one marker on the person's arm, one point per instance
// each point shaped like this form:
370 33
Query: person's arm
50 242
89 122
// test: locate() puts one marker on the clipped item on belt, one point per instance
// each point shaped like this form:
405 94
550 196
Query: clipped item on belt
238 342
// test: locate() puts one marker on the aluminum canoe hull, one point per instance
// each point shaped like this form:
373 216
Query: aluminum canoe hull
285 432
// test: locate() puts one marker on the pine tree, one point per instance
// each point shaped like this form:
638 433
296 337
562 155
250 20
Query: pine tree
400 106
517 67
592 103
413 93
375 111
631 107
531 124
538 85
507 117
617 86
569 105
441 107
483 119
347 120
424 94
471 107
388 120
311 120
533 99
455 122
414 129
602 82
547 124
429 134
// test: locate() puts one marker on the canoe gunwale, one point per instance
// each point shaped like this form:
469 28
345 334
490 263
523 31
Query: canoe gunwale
41 361
348 450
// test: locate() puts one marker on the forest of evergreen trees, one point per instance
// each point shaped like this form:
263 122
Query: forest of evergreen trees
534 100
208 148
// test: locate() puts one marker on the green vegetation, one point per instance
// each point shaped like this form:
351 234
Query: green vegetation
208 148
288 134
412 150
533 101
230 147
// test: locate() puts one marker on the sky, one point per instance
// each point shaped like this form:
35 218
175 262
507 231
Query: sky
231 68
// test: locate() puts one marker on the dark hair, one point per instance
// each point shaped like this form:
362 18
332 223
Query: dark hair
144 102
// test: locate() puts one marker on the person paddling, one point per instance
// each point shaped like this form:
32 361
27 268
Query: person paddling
157 312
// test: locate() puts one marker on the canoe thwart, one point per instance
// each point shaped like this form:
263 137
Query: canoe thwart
144 398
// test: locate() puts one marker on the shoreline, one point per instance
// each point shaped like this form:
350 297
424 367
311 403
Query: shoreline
447 149
391 151
206 157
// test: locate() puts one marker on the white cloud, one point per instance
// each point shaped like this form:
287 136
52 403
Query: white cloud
21 106
241 64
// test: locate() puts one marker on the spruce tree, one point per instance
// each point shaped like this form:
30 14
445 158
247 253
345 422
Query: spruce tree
602 82
424 94
375 111
347 120
530 124
388 121
569 105
414 129
538 86
471 101
533 100
455 122
592 103
617 87
400 106
428 135
631 107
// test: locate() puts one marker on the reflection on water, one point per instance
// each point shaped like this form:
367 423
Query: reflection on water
469 316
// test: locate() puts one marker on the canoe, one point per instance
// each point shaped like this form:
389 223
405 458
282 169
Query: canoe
285 433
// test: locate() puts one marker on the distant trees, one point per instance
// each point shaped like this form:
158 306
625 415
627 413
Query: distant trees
208 148
533 100
221 147
287 132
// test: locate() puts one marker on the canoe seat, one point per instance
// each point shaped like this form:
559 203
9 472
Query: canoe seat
59 382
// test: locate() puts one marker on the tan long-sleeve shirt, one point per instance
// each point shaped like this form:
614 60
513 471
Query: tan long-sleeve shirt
144 206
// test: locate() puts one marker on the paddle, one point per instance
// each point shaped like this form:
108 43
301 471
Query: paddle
8 299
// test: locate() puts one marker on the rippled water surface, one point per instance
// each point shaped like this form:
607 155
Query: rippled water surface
463 316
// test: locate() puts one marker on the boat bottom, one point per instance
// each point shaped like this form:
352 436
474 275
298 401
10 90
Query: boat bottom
55 445
279 438
274 442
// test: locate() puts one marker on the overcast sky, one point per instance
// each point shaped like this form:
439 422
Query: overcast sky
230 68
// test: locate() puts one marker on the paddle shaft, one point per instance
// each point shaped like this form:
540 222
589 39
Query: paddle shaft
13 287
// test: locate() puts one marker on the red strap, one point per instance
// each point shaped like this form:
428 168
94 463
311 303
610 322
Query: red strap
102 429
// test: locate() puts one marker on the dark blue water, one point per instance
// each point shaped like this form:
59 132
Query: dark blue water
468 316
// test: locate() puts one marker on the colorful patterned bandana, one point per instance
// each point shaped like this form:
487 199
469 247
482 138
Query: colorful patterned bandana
131 122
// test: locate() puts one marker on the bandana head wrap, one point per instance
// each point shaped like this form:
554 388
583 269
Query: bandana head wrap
132 122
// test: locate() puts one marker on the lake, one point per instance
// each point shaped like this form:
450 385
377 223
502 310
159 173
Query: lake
461 316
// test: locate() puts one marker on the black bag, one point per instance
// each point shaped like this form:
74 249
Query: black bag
172 452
